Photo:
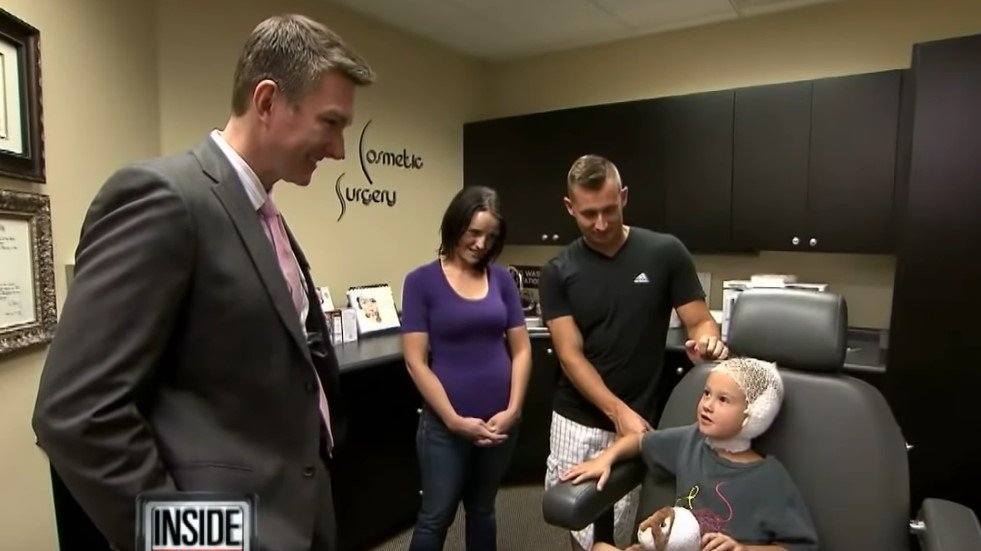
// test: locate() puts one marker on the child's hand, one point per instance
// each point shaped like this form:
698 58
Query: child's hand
715 541
651 522
595 468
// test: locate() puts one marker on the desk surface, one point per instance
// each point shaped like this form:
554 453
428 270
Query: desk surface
387 348
863 353
369 352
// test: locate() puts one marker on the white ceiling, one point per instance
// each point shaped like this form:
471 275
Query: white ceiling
503 29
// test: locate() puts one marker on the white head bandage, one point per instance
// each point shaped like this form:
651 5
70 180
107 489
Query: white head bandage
760 382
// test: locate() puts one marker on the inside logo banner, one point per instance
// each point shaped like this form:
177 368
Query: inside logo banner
197 521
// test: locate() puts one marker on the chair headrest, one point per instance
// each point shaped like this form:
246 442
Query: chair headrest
797 329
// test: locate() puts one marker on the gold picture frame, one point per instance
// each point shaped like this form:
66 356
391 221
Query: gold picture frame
27 290
21 127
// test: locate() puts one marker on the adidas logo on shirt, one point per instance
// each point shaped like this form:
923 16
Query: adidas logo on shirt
641 278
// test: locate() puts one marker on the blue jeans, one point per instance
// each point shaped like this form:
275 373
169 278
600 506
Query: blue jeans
454 468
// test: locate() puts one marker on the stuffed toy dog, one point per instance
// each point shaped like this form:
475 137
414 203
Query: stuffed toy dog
669 529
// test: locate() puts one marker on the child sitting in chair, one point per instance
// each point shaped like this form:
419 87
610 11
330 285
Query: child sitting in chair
741 500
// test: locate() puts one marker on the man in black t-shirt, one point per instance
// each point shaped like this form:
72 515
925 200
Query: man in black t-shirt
607 300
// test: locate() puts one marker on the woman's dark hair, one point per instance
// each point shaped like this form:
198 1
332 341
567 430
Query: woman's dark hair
456 220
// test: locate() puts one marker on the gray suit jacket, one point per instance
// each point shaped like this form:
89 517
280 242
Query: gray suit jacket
179 361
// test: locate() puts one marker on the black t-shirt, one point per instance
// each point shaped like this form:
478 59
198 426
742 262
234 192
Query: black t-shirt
622 306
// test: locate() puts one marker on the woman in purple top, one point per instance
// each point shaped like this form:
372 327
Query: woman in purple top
467 350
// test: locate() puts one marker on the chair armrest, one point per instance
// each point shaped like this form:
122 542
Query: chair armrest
575 506
948 527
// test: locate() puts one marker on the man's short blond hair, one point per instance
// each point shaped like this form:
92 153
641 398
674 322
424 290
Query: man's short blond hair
591 172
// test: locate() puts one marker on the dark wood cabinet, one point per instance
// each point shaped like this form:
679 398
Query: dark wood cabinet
850 200
375 473
932 376
803 166
527 160
627 136
814 164
528 462
771 146
555 140
504 154
521 157
694 139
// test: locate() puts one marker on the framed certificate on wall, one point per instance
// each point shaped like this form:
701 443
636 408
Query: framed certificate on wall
27 293
21 129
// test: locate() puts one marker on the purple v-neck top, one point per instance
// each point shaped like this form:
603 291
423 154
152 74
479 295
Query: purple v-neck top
467 343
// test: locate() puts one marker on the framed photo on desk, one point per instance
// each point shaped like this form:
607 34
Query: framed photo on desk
27 290
21 129
375 308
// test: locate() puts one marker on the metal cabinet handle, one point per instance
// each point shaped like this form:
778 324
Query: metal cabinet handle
555 237
813 242
544 237
680 371
549 351
795 241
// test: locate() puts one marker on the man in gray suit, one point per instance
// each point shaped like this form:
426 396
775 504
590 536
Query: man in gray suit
192 354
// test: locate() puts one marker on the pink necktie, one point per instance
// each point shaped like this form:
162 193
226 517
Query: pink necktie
287 265
284 255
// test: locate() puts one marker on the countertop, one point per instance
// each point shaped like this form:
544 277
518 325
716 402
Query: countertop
369 351
863 354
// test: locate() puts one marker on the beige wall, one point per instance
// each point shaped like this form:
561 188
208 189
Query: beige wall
99 83
423 95
840 38
128 79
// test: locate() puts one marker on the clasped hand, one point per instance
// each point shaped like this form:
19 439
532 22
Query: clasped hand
492 432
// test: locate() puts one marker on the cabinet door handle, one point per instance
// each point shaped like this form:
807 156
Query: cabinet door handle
418 411
549 351
813 242
555 237
680 371
795 241
544 237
